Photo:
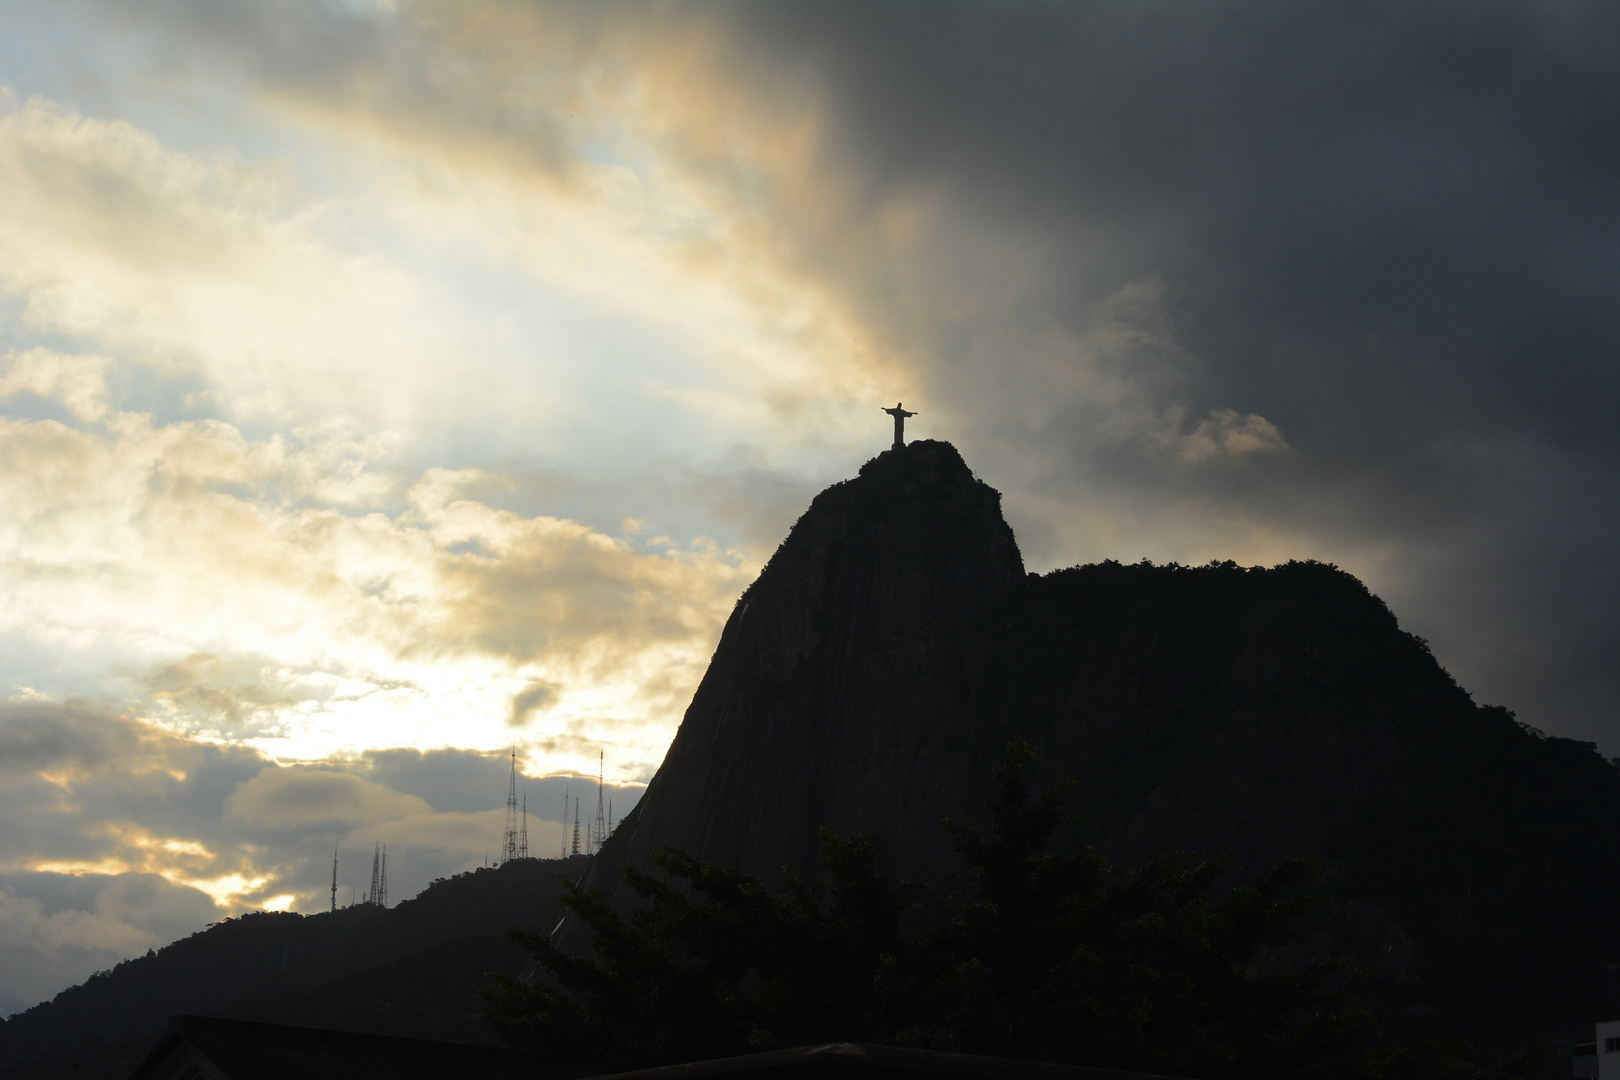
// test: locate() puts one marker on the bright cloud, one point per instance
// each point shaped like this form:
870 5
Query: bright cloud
249 605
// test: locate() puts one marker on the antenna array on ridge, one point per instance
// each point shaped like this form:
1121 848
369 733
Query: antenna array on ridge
515 839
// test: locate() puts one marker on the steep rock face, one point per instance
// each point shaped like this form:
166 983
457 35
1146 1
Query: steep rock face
842 690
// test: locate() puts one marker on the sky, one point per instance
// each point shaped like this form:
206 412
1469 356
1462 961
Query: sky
387 387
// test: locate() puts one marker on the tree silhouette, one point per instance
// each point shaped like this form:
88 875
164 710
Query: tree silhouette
1051 956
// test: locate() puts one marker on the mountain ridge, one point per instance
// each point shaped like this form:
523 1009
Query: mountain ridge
892 646
410 970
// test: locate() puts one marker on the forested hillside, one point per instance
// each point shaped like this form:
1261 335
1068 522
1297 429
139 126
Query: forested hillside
410 970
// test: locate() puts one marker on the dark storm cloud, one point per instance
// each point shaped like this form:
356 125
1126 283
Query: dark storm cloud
45 735
464 781
468 781
1412 207
1393 231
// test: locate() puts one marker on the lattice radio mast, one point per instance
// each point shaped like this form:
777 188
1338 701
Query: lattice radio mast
334 877
382 885
599 826
376 874
576 828
509 842
562 845
523 838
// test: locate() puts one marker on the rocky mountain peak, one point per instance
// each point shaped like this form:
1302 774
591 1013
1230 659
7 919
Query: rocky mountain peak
841 689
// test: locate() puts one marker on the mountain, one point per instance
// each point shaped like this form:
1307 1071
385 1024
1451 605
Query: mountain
410 970
842 690
894 644
869 679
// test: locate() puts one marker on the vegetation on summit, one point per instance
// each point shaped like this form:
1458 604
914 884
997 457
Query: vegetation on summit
1054 957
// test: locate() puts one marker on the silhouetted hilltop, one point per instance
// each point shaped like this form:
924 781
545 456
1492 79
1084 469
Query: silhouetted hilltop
408 970
893 645
869 679
843 689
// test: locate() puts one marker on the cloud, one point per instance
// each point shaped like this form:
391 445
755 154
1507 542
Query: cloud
526 587
23 923
303 797
122 836
43 736
163 910
332 582
1226 434
1099 240
190 263
213 687
56 929
1023 332
77 382
1079 238
92 791
459 781
535 696
261 609
563 139
40 954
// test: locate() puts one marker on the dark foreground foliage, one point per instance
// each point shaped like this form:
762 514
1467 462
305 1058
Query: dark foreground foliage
1053 957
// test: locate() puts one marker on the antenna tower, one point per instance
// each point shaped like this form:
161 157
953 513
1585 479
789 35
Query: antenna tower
610 817
376 874
576 828
334 877
382 888
509 842
562 845
599 826
523 840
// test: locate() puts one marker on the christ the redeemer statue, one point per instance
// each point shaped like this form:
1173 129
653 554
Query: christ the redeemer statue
899 415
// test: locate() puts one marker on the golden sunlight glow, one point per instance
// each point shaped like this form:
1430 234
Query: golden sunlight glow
226 890
106 865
